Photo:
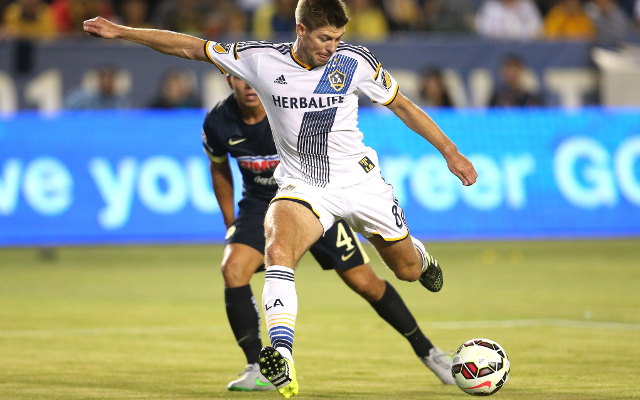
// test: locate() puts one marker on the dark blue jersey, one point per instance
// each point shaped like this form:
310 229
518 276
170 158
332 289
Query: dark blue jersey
224 132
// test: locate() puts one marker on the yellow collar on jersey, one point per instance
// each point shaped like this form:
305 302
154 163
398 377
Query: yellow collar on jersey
303 65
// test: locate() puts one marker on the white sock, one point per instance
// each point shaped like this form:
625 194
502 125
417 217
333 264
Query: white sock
423 252
280 306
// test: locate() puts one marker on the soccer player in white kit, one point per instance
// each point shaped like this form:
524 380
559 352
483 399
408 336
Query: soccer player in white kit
309 90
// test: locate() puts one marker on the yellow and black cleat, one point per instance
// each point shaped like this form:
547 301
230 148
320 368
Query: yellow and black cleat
431 277
279 371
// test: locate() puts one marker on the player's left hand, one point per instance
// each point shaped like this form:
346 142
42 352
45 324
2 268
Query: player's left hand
461 167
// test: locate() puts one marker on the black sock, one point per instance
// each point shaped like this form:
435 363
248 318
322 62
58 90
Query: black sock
244 318
393 310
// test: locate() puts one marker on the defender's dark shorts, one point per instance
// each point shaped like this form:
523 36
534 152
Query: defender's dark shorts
339 248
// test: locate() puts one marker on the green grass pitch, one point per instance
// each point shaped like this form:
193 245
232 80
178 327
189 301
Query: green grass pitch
150 323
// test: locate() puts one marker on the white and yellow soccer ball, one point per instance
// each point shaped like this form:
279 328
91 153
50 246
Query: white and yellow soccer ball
480 367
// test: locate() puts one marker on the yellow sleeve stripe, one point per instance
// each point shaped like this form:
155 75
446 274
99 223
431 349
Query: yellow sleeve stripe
235 51
206 50
216 159
377 72
393 98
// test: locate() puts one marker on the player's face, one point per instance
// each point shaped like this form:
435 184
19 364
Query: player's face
244 92
317 46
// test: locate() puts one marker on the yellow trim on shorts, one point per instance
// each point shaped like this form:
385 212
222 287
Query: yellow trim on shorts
206 51
295 198
392 240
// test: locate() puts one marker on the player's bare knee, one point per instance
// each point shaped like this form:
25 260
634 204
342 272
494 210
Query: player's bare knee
276 253
234 274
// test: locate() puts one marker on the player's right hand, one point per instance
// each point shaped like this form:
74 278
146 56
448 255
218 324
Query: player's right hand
100 27
461 167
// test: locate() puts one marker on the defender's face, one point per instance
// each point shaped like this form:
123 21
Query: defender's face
318 46
245 94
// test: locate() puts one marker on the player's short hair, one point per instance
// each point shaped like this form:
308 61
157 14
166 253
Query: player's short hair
318 13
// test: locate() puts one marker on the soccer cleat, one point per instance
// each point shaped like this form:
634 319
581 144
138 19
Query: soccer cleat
279 371
431 276
251 380
440 363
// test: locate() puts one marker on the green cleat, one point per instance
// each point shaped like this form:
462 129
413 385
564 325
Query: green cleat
279 371
440 363
251 380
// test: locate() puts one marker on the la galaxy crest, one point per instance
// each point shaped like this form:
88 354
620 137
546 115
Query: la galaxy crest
385 79
337 75
337 80
222 48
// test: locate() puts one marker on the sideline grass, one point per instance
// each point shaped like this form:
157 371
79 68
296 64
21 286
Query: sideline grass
149 323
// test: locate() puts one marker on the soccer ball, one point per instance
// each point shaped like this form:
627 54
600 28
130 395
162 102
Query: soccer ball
480 367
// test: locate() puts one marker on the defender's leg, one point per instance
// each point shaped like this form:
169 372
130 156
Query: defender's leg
389 305
364 281
340 249
239 263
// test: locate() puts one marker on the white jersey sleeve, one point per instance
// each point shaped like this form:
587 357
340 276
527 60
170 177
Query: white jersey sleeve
225 57
242 59
373 80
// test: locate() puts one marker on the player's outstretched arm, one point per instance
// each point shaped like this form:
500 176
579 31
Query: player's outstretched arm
167 42
418 121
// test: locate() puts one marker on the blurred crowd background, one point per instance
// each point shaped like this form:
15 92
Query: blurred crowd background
603 21
599 23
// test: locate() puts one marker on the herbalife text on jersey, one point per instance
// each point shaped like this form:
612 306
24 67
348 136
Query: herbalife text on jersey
304 102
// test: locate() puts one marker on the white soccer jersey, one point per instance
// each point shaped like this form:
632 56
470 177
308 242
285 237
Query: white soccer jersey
313 112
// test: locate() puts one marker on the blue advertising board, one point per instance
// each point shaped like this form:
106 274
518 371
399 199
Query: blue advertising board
141 176
541 173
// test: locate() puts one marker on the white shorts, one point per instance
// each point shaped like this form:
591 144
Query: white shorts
368 207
